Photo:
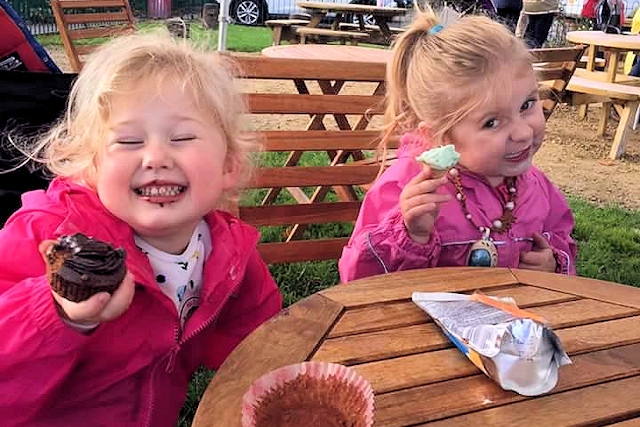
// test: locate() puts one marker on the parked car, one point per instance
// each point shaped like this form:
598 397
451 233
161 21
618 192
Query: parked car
255 12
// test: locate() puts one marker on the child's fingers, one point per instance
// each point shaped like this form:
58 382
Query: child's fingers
120 299
426 199
44 246
539 242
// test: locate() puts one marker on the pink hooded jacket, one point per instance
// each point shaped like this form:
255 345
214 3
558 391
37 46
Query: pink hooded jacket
134 370
380 242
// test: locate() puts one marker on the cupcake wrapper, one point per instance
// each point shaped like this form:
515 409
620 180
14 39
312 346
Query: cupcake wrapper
318 370
74 292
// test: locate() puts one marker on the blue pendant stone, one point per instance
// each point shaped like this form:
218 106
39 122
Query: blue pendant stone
480 258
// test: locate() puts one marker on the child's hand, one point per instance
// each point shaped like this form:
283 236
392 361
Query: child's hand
419 204
101 307
540 257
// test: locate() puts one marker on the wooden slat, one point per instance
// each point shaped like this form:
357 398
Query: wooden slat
396 342
309 69
544 74
322 140
376 289
277 343
300 214
590 406
310 176
427 403
601 335
302 250
89 18
261 103
384 316
574 313
98 32
428 368
87 4
588 288
557 54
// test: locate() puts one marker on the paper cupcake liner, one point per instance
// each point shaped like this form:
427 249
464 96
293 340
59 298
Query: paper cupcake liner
74 292
276 381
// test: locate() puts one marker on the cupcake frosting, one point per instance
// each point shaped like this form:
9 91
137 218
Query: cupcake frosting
89 261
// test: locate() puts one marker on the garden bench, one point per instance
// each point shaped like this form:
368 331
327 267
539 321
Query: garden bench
331 114
343 36
79 20
284 29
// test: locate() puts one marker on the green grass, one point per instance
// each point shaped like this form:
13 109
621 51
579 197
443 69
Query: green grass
240 38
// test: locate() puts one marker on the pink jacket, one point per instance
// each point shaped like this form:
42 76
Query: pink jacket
133 371
380 242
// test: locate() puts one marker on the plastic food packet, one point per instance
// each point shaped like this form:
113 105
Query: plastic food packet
514 347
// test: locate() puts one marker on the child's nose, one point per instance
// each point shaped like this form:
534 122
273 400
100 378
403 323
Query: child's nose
522 131
157 155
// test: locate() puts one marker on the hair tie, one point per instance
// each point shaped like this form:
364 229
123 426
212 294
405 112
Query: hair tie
435 29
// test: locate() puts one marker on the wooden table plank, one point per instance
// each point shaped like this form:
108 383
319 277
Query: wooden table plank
587 406
383 316
587 288
580 312
601 335
431 402
400 285
593 334
285 339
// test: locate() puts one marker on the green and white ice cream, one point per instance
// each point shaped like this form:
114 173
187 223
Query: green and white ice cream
440 158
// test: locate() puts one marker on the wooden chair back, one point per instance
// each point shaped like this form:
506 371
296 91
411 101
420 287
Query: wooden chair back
319 119
79 20
555 67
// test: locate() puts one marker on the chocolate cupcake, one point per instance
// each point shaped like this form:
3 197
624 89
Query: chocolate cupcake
309 394
79 267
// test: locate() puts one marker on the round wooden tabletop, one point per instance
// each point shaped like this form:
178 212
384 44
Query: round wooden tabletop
420 378
600 38
329 52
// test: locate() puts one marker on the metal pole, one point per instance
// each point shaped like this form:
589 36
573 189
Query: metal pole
223 19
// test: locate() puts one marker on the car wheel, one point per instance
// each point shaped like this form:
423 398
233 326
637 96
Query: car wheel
248 12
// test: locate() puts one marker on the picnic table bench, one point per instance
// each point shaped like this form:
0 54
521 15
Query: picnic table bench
343 36
284 29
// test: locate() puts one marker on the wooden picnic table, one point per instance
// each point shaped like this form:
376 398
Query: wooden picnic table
615 45
329 53
419 378
380 14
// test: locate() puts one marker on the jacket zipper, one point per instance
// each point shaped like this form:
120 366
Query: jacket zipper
179 343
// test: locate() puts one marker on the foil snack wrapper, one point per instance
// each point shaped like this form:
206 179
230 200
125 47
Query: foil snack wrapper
514 347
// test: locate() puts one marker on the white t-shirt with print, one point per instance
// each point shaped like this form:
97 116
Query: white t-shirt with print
180 276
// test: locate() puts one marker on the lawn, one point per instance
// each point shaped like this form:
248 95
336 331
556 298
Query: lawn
608 237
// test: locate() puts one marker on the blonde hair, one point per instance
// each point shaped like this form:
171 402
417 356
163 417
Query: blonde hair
71 148
438 75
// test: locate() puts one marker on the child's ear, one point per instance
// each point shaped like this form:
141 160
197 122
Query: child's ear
232 171
425 132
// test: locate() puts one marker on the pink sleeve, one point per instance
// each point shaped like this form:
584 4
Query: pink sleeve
37 350
557 230
380 243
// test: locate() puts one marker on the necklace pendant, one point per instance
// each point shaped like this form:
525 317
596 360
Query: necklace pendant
483 253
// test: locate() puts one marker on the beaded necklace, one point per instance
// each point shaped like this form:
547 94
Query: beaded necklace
484 252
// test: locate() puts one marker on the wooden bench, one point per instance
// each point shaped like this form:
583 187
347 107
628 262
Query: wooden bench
79 20
343 36
325 156
352 26
332 112
625 99
284 29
